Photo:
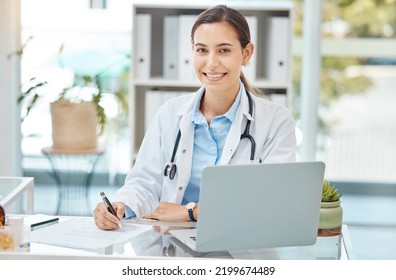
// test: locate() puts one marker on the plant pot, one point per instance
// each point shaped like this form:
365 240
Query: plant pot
74 127
330 222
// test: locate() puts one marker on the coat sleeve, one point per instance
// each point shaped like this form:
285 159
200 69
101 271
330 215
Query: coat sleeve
280 144
144 185
141 191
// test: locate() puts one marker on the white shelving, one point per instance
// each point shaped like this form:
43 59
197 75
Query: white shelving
272 52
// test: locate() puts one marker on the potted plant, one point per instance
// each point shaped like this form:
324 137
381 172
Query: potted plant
77 115
76 122
331 212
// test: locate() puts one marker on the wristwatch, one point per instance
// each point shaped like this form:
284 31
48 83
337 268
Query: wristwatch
190 207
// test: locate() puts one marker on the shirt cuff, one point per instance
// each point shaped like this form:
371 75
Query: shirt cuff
129 213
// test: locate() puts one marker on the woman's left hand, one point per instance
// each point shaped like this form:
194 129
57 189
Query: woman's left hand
169 212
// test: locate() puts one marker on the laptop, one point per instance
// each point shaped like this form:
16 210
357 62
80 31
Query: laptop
256 206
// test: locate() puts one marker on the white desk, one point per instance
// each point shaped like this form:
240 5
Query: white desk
12 188
154 245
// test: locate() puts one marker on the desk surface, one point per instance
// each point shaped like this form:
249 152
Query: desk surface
155 244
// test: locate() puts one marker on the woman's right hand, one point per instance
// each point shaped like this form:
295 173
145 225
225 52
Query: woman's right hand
104 219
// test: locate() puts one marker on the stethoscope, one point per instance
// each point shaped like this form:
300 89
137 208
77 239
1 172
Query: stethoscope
170 169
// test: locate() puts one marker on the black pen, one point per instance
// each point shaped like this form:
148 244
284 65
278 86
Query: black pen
110 207
32 226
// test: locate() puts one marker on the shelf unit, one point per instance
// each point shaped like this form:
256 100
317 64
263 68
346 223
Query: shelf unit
152 43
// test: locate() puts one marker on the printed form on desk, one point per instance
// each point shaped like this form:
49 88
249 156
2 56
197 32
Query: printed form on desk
82 233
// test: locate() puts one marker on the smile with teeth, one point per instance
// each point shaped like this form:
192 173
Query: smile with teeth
215 76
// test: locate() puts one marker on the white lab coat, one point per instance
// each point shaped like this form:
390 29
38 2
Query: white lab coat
272 127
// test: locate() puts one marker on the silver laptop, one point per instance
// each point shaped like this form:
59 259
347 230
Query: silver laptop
257 206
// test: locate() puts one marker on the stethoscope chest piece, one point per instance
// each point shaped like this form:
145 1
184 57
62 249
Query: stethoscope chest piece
170 170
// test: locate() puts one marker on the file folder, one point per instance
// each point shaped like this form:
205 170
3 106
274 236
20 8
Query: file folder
250 69
171 44
154 99
186 68
278 45
143 46
279 98
151 105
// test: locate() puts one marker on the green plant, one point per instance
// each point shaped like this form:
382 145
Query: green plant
329 192
36 88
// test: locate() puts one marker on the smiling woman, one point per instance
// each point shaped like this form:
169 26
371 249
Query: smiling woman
204 128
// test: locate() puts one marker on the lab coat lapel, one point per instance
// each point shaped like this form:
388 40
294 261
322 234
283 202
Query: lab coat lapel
184 152
236 129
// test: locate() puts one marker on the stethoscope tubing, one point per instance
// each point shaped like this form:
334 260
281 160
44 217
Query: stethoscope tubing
170 169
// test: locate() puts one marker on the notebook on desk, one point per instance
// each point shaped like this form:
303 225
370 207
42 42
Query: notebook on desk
257 206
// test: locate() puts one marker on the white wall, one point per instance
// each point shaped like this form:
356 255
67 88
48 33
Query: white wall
10 140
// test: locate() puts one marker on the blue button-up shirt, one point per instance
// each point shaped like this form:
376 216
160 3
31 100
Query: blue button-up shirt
208 144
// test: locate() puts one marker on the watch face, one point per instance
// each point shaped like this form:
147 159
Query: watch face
190 205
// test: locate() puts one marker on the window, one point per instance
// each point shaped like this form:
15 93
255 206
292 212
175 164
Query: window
65 39
357 131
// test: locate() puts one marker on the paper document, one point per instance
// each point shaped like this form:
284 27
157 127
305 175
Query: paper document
82 233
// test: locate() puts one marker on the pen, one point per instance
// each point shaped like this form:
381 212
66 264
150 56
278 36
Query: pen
110 207
44 223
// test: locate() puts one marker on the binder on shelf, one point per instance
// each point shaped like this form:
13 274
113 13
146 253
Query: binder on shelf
171 43
279 98
151 105
186 68
278 46
143 46
154 99
250 69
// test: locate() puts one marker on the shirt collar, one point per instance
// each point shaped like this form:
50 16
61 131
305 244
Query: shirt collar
197 116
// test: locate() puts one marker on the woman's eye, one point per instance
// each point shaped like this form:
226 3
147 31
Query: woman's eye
200 50
225 50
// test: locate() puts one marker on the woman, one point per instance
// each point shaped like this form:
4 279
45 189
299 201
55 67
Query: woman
210 122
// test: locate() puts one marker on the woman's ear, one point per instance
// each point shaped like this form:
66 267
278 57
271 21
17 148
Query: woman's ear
247 53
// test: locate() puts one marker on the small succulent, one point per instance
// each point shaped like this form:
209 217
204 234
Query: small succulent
330 193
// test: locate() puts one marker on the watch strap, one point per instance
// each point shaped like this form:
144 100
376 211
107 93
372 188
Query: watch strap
191 214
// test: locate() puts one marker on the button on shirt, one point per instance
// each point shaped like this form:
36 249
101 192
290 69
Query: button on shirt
208 144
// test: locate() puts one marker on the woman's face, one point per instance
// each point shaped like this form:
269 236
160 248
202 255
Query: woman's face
218 57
